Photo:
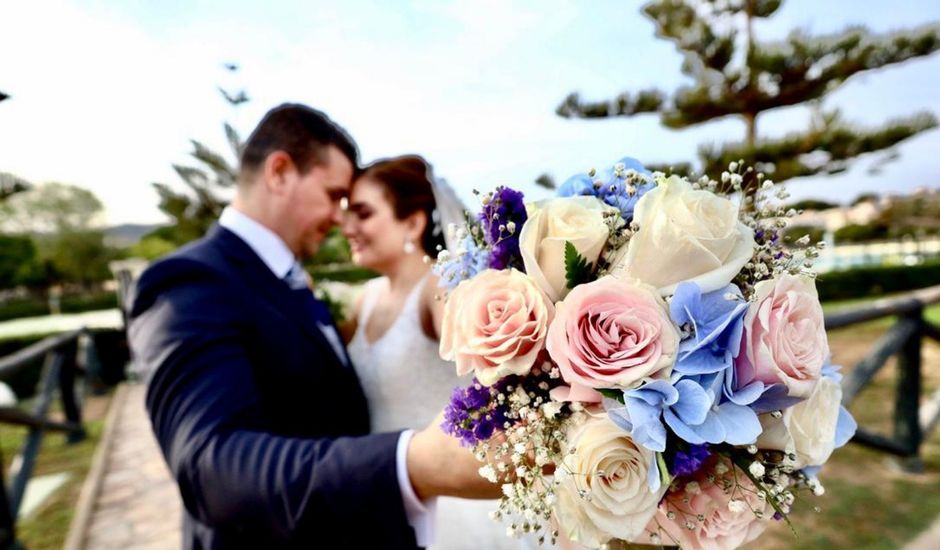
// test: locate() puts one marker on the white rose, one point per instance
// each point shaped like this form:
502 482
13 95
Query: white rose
550 224
611 471
686 235
808 428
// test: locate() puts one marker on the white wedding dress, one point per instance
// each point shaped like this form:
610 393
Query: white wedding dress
407 385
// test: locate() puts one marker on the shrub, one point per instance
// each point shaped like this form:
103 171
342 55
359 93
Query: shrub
876 280
35 307
856 233
343 273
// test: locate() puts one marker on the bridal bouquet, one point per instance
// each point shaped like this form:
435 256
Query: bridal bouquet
650 361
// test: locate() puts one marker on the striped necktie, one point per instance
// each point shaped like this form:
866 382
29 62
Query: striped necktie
296 278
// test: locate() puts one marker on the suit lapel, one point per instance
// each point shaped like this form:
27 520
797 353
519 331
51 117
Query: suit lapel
298 305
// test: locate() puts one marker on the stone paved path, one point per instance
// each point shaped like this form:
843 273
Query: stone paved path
137 505
928 540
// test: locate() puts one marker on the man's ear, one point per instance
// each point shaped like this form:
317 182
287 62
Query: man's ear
276 171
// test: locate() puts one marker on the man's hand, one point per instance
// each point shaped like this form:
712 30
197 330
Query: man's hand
439 466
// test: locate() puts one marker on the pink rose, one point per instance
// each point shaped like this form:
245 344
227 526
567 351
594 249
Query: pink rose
784 336
495 324
612 332
575 393
714 509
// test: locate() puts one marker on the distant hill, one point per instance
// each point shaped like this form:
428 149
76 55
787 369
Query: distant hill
127 234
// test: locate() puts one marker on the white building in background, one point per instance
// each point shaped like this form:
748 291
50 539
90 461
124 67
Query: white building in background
836 218
901 252
906 251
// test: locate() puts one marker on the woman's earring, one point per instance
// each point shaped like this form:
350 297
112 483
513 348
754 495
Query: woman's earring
409 247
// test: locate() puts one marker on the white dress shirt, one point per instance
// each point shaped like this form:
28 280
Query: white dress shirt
277 256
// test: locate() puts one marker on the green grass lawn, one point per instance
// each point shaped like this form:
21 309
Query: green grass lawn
48 526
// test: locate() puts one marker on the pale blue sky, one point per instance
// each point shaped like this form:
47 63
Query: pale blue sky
107 94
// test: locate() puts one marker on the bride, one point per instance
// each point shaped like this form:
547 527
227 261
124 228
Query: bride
390 225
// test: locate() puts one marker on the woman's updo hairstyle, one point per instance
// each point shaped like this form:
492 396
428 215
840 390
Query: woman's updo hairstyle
407 185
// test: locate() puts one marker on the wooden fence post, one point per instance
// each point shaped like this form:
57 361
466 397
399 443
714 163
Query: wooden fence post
55 359
907 430
7 522
70 404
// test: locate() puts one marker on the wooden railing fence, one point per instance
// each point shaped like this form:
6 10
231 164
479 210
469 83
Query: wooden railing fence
913 421
69 360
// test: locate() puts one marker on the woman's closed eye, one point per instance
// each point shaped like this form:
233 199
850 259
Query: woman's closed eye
360 212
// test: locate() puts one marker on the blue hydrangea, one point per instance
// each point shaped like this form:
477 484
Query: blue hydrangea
845 424
647 408
464 264
620 185
693 408
716 323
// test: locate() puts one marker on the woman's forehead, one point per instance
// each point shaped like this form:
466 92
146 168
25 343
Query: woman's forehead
367 190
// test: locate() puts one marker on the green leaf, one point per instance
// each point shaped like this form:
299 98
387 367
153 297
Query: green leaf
612 394
663 470
577 269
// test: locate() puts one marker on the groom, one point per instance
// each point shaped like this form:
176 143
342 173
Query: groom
258 412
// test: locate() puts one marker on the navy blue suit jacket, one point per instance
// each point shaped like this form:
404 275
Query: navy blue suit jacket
261 424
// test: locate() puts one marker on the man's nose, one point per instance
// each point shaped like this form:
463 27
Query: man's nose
347 224
338 215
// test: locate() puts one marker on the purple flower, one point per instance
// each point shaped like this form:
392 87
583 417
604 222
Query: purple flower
473 414
688 462
502 219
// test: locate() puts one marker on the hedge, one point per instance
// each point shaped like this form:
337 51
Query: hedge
33 307
14 309
863 282
89 302
343 273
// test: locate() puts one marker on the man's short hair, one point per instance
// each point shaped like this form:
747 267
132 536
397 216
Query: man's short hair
301 132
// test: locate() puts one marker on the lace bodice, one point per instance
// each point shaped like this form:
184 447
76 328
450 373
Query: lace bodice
407 385
404 378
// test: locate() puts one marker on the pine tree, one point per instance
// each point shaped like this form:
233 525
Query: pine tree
10 184
194 212
735 74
